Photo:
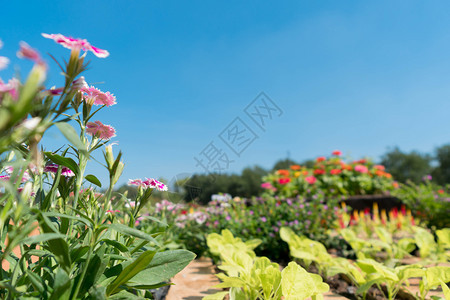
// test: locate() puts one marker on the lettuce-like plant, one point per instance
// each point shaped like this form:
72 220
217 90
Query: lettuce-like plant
430 249
251 277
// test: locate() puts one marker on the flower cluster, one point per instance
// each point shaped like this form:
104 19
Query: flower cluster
332 175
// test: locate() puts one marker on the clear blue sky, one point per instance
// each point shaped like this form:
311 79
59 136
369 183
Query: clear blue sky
357 76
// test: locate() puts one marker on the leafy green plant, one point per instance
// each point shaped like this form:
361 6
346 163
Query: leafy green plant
252 277
428 201
380 248
429 248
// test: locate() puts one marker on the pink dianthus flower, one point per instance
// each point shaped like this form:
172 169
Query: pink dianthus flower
76 44
102 131
97 97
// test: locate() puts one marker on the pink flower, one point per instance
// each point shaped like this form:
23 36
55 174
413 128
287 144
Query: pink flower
311 179
337 153
97 97
53 168
104 132
11 88
361 169
27 52
155 184
148 183
76 44
266 185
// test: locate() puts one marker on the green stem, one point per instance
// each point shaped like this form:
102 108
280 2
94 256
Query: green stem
85 267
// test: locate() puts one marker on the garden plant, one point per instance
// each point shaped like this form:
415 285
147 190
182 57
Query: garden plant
85 243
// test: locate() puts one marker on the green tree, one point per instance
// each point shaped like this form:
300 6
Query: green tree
403 166
284 164
200 187
441 173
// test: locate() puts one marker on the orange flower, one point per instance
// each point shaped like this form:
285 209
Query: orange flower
305 172
335 171
395 184
322 158
283 173
379 173
295 167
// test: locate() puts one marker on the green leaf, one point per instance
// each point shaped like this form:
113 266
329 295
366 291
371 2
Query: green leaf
92 179
119 246
298 284
57 246
131 231
61 286
130 271
71 135
124 295
435 275
425 242
42 238
36 281
446 290
230 282
164 266
97 293
64 161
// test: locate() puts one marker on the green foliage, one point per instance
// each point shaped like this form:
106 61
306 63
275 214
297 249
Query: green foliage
430 249
441 173
366 272
251 277
411 166
428 201
200 188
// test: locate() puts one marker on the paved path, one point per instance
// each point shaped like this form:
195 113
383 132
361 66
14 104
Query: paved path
194 282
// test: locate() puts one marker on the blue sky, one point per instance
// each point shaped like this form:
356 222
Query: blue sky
357 76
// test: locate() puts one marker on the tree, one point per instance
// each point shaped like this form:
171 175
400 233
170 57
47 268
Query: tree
441 173
284 164
403 166
200 187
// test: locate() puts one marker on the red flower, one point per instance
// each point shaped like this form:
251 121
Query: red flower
183 212
311 179
337 153
284 180
322 158
335 171
319 172
441 191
